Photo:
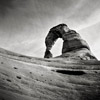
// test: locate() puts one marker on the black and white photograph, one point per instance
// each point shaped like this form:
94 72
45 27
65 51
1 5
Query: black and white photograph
49 50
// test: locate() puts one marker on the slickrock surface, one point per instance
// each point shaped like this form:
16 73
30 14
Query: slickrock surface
28 78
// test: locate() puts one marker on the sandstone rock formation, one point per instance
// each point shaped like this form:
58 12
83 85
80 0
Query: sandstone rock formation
72 42
74 75
60 78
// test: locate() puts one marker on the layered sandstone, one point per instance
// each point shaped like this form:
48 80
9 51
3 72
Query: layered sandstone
60 78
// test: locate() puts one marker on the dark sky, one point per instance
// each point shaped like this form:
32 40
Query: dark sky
25 23
4 5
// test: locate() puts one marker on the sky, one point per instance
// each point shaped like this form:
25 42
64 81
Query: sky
24 24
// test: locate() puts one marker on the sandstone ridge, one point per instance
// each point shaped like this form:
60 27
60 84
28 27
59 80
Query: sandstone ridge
59 78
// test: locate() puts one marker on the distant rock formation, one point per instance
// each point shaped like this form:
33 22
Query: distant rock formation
72 43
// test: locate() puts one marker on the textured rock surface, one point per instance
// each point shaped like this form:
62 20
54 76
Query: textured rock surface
79 54
27 78
72 43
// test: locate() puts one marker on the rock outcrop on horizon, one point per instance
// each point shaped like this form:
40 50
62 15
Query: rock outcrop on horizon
72 43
